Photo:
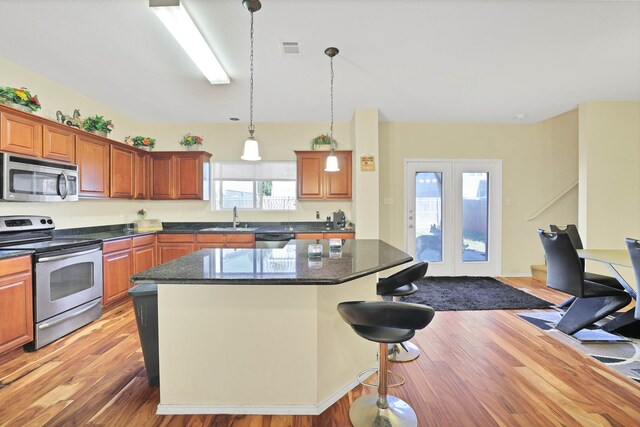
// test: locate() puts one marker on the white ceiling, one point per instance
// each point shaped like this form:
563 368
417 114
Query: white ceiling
438 61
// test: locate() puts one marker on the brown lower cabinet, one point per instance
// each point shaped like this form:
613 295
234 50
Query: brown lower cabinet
16 303
117 265
144 253
316 236
172 246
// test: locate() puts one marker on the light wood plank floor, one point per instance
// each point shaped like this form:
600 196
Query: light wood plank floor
482 368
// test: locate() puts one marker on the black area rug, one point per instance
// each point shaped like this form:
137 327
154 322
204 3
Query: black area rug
471 293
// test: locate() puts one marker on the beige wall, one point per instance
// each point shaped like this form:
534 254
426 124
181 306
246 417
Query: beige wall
539 162
609 201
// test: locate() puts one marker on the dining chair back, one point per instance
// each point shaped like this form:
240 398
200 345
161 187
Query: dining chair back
633 246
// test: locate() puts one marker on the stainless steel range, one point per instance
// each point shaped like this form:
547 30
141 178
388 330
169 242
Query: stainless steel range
67 291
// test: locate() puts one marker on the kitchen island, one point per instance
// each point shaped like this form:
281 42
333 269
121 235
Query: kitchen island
256 331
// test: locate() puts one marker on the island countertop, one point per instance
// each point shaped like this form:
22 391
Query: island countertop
288 265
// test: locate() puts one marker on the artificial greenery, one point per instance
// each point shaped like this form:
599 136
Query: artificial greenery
95 123
141 141
267 188
321 140
189 140
20 96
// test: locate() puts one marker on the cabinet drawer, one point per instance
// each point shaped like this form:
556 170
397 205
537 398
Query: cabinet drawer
346 236
15 265
144 240
116 245
240 245
210 238
309 236
175 238
240 238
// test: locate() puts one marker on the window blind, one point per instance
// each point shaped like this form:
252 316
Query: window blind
258 171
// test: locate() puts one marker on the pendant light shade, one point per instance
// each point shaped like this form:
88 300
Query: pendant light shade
332 163
332 160
251 151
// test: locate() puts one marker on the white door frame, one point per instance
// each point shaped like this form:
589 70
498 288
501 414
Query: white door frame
451 252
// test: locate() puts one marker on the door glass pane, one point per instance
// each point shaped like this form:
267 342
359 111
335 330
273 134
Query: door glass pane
429 216
71 279
475 225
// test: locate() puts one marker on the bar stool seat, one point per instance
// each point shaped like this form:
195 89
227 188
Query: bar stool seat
399 285
386 323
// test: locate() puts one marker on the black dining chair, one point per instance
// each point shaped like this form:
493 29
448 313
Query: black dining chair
574 236
594 300
396 286
633 246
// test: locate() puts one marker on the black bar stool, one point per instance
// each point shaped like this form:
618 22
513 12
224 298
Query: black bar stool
386 323
399 285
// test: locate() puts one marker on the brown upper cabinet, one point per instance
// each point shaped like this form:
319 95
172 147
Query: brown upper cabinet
142 169
58 143
180 175
316 184
92 157
19 134
123 163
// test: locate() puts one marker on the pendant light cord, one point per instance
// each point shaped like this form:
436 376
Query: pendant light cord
251 127
331 133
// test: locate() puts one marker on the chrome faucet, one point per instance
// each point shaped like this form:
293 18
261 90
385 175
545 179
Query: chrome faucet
235 217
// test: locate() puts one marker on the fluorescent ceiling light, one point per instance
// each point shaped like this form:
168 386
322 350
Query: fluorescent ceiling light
180 25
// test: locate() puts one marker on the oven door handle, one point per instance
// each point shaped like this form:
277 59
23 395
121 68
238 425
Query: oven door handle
77 313
72 255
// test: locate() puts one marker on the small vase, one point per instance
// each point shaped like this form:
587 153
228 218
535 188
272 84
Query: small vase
102 133
190 147
322 147
143 147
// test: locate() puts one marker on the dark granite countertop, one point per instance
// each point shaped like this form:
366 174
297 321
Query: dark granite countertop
119 231
9 253
288 265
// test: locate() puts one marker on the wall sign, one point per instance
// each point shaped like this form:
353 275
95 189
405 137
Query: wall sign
367 164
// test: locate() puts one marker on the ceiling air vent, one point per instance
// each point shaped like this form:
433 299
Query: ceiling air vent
290 49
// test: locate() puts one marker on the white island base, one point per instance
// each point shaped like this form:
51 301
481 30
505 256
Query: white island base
259 348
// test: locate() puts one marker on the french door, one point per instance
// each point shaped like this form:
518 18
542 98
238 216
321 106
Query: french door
453 215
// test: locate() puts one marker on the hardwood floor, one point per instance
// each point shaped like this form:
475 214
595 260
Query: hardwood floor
477 368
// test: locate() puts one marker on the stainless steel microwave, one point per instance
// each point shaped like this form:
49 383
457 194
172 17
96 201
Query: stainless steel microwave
27 179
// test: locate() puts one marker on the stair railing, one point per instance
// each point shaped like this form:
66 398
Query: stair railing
555 199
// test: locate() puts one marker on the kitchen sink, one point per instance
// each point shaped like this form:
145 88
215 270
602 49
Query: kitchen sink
237 229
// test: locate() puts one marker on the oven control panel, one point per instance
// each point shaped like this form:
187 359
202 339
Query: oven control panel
25 223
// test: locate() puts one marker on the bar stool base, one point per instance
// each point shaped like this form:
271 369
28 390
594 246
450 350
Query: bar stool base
364 412
397 352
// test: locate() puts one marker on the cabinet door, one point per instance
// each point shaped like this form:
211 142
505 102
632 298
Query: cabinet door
116 270
92 157
310 174
170 251
16 312
144 258
59 143
20 135
338 184
122 172
189 176
163 185
209 246
141 173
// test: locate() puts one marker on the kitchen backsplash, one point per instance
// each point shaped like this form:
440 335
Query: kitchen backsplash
86 213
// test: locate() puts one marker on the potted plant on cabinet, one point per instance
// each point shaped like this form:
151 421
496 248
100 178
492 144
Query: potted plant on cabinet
190 142
322 142
143 142
98 125
19 99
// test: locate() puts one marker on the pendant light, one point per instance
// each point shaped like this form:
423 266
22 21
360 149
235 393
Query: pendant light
251 151
332 160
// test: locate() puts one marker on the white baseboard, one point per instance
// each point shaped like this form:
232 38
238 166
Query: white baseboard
258 409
